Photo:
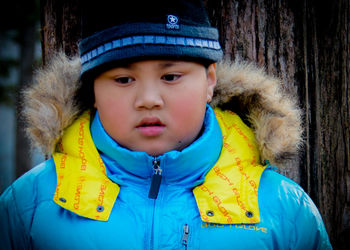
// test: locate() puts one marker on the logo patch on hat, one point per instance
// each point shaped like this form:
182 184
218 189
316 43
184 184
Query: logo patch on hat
172 22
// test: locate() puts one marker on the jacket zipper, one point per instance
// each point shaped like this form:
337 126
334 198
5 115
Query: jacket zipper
152 227
185 236
153 192
156 179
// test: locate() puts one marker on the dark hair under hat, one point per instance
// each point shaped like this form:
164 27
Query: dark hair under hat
129 30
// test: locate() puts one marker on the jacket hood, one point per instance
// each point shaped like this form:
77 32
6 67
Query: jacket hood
49 106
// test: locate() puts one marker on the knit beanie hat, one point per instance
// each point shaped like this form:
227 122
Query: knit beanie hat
132 30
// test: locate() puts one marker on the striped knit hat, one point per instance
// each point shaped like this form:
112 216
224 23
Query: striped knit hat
116 32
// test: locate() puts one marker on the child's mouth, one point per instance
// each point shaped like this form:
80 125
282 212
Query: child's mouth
150 126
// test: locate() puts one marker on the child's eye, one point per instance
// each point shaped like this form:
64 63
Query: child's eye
123 80
171 77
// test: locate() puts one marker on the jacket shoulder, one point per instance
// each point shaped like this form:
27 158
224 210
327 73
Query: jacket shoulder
299 216
286 194
34 186
276 182
19 201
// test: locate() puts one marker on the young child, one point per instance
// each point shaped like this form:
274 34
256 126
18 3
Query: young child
141 161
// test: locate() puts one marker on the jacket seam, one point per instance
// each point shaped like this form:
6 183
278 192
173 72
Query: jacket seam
293 239
13 194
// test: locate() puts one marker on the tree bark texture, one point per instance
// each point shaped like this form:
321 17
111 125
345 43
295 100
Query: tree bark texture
306 43
60 27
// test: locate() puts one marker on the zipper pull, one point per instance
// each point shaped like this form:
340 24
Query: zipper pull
156 179
185 235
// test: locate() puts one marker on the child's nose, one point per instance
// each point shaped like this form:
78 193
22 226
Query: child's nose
148 97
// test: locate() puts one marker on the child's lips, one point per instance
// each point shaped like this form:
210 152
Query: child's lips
151 126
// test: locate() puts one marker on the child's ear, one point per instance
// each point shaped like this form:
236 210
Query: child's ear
211 78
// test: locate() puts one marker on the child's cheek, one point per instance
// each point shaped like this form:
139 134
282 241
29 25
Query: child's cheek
190 110
112 114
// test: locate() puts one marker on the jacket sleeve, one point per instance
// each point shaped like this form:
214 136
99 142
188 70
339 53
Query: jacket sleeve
310 232
12 230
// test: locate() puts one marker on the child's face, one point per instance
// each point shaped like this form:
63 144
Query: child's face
154 106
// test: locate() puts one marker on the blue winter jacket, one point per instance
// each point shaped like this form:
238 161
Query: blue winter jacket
30 219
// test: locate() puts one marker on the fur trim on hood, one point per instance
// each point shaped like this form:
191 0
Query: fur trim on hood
49 106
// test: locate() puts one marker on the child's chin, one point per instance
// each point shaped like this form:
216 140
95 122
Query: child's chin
159 148
156 152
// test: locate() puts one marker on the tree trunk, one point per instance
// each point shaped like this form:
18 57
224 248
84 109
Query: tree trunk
306 44
60 27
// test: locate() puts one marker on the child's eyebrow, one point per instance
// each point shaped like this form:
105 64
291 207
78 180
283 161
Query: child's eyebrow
127 66
164 65
161 65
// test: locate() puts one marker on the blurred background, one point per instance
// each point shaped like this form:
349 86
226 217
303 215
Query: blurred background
20 54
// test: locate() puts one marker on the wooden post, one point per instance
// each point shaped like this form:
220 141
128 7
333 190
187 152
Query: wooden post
60 27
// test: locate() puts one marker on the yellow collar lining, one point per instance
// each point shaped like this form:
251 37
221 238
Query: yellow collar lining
229 193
